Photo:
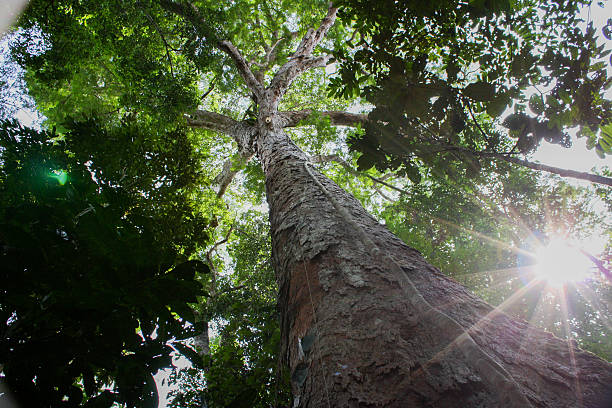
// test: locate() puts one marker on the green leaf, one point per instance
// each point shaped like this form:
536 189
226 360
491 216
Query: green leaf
188 270
606 131
413 173
565 96
105 400
606 146
536 104
498 105
516 121
190 354
480 91
365 162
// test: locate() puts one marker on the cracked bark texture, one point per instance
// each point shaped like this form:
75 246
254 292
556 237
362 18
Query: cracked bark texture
352 337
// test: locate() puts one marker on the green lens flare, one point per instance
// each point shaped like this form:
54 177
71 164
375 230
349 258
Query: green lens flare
60 175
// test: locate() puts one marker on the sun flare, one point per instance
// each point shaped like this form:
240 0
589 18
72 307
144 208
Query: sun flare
561 262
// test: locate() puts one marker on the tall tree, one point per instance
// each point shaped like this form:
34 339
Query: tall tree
364 319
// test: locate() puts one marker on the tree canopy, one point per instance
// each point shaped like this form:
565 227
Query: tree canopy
134 217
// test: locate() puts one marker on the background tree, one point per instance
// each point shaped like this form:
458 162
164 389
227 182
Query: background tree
243 368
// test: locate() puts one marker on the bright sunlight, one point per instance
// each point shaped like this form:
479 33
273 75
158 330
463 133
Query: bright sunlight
561 262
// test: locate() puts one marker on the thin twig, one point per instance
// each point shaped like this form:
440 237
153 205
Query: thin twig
350 169
158 29
210 89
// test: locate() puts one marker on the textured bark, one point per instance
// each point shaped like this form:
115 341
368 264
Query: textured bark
212 121
243 67
242 133
202 341
301 61
355 333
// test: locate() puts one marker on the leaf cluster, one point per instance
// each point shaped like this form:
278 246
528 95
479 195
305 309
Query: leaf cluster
93 296
439 72
243 369
103 58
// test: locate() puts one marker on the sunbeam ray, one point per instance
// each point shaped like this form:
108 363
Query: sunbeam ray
570 346
479 324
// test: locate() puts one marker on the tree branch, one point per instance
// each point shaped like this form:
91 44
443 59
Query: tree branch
338 118
217 244
210 89
158 29
301 59
312 37
185 9
229 171
383 195
315 62
350 169
600 265
291 70
271 54
211 121
191 13
593 178
243 67
241 132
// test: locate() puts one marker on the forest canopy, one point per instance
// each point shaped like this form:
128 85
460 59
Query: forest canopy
136 215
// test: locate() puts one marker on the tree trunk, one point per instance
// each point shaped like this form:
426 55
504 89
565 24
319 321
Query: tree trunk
366 322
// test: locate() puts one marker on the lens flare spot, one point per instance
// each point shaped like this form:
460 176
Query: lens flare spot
60 175
560 262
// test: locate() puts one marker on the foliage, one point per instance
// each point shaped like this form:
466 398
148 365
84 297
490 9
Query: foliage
243 368
98 62
93 297
438 72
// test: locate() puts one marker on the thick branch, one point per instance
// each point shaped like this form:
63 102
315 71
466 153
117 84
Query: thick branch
191 13
291 70
241 132
338 118
314 62
212 121
242 66
312 38
593 178
301 60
